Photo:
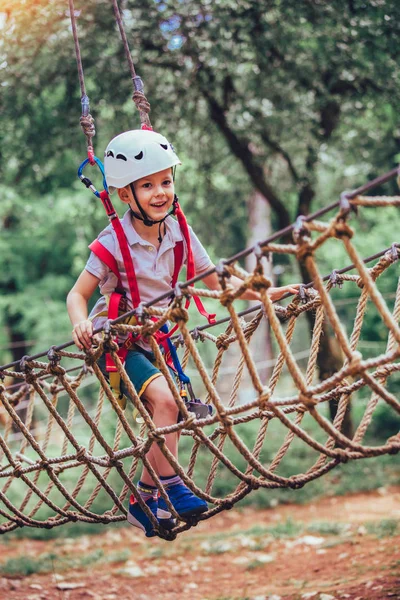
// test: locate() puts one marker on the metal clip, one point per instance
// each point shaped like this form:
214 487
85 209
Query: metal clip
138 84
299 229
196 406
178 291
221 271
23 362
85 105
345 206
107 329
394 251
139 313
257 251
195 335
190 390
53 356
303 294
335 280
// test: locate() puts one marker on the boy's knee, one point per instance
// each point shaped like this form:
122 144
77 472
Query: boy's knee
169 404
166 402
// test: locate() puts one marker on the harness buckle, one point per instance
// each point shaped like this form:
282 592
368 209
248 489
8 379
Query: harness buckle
195 405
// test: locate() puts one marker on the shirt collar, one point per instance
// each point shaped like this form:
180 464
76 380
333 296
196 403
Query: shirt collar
173 231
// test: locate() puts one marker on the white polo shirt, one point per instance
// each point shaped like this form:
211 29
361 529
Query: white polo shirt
154 267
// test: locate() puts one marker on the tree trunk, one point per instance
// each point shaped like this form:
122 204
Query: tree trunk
259 229
329 356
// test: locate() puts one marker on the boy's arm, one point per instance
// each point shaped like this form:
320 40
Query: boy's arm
77 306
275 293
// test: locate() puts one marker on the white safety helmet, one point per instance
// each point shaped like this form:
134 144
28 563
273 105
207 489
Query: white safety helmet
135 154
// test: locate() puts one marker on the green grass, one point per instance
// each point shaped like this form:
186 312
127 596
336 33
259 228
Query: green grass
47 563
255 564
384 528
327 528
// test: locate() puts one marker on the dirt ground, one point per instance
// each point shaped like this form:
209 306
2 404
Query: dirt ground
336 548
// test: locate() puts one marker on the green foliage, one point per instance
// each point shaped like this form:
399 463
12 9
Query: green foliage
282 97
384 528
385 423
306 93
48 563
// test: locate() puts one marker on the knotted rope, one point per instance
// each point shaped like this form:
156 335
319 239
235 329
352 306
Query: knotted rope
87 452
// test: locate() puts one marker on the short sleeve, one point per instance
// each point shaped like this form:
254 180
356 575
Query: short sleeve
96 267
202 260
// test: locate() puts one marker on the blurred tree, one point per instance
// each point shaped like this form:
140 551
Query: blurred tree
296 100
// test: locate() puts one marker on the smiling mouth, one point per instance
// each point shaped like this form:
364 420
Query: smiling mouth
159 204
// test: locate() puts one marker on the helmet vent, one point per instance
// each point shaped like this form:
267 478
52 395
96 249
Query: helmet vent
139 156
121 157
165 146
110 153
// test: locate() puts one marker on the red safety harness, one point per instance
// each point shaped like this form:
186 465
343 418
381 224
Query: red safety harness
114 306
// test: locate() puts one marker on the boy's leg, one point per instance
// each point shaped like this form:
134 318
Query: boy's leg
164 412
153 389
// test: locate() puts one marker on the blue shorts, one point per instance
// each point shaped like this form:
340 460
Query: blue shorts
140 368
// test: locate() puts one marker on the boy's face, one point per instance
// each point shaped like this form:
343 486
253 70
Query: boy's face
155 194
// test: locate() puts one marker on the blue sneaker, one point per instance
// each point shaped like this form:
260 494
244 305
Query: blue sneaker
138 518
184 501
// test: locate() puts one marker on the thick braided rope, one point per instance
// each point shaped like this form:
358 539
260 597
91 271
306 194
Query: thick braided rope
105 454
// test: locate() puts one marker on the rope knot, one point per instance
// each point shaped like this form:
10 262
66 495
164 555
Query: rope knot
260 282
156 437
111 346
222 342
308 400
394 442
355 363
292 309
143 106
226 298
81 454
53 388
141 102
264 398
18 469
360 282
342 229
115 462
303 251
88 128
190 420
178 313
56 369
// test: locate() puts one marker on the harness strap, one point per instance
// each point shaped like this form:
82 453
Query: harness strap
178 260
106 257
190 268
126 255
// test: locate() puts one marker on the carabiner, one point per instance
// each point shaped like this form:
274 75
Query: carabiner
86 181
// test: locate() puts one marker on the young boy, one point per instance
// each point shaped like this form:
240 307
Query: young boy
139 164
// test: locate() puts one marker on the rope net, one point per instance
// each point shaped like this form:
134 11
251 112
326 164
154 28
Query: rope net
75 458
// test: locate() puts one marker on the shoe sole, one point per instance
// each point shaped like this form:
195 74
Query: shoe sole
194 511
133 521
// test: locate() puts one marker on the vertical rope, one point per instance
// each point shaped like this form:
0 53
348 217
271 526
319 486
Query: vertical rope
138 96
86 120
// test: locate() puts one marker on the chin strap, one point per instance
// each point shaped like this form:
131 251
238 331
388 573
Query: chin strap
146 219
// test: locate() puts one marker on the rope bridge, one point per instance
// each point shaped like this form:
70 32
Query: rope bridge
88 450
